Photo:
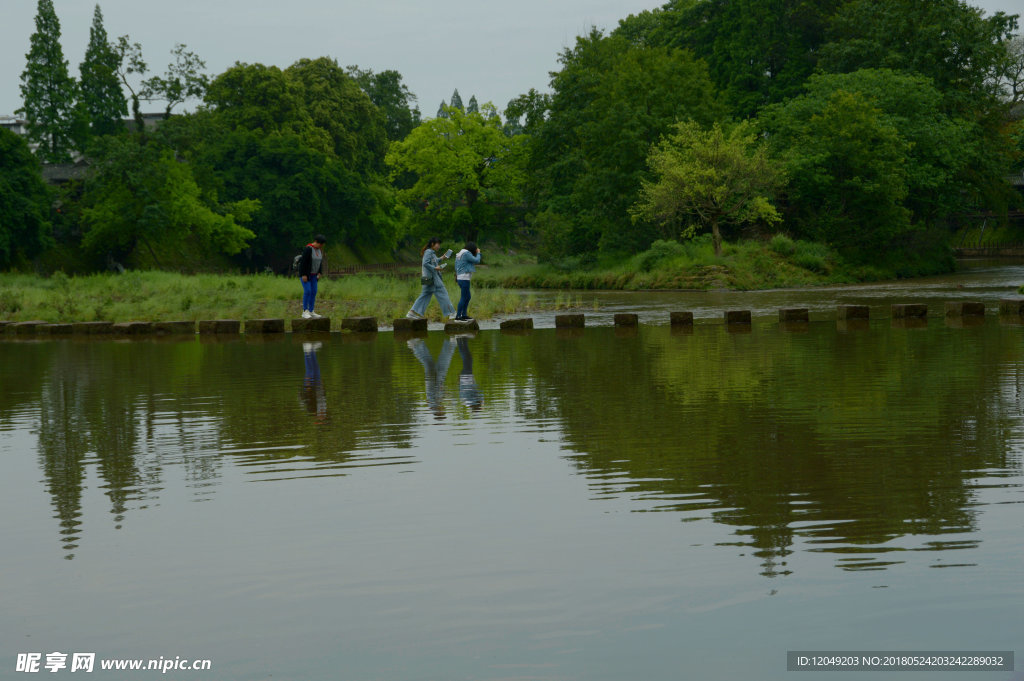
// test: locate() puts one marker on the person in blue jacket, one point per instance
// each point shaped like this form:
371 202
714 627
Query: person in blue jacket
466 261
433 285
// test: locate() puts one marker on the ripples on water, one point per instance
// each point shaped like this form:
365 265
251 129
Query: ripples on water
537 499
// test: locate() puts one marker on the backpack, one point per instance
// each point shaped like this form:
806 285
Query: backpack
295 264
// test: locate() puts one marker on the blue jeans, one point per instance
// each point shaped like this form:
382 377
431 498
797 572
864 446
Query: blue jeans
309 293
420 306
463 308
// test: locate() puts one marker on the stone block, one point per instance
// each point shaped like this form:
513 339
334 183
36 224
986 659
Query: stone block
1013 307
794 314
219 326
853 312
570 321
301 325
92 328
182 327
681 318
56 329
962 309
404 324
906 310
522 324
359 324
461 327
133 328
737 317
29 328
627 319
264 326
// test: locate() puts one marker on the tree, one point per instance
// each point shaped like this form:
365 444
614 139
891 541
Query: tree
48 92
456 101
392 97
469 173
184 80
847 165
715 177
1012 79
130 62
101 92
949 41
472 107
139 196
24 201
532 107
757 51
611 103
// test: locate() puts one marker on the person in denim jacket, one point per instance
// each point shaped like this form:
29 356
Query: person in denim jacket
465 265
433 285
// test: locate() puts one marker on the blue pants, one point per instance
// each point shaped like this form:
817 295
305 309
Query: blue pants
420 306
463 308
309 292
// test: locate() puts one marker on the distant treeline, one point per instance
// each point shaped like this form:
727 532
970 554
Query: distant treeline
871 126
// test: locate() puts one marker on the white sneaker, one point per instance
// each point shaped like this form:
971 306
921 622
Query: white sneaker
413 314
314 315
306 314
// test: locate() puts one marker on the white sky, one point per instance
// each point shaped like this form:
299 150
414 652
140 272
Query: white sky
495 50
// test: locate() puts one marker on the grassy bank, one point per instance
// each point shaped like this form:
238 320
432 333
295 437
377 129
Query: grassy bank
746 265
166 296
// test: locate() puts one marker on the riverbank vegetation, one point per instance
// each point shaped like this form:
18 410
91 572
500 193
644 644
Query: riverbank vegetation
169 296
811 142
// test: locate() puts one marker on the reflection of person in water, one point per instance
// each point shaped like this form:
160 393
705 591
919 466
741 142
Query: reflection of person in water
469 393
313 396
434 371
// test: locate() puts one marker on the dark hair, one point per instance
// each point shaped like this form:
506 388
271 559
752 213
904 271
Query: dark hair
430 242
319 239
471 247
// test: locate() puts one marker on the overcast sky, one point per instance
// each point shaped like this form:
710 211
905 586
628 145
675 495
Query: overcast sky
495 50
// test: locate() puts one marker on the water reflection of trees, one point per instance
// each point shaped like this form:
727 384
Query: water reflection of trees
128 413
853 443
850 444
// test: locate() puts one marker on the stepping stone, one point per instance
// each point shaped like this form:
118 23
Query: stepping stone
264 326
27 328
794 314
681 318
301 325
569 321
133 328
461 327
359 324
406 324
909 310
737 317
56 329
92 328
220 326
1012 306
523 324
627 319
968 309
174 328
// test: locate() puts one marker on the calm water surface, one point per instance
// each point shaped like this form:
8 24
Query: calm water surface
596 505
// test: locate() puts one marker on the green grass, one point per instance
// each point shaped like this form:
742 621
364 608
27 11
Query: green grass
166 296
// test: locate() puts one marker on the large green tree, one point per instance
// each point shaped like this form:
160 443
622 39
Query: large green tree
307 143
848 169
48 92
24 202
101 94
611 101
143 205
389 94
469 174
757 51
709 178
